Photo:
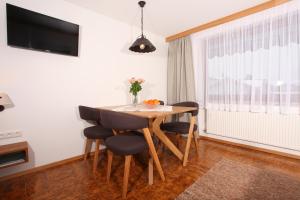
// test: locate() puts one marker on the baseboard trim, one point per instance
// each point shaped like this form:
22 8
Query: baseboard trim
44 167
245 146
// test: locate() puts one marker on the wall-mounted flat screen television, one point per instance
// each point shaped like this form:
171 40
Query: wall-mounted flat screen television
35 31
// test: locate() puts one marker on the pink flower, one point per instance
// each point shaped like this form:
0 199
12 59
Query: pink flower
140 80
132 80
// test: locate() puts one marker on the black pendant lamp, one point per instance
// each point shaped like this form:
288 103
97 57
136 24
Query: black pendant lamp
142 44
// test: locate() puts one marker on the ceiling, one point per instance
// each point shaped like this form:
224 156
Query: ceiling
167 17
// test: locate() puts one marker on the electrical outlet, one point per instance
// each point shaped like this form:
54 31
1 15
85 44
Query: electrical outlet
10 134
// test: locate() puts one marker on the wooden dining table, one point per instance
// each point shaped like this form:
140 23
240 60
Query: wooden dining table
155 119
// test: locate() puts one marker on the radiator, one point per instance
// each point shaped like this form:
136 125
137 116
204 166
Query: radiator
276 130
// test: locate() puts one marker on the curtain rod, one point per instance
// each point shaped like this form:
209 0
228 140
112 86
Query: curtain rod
223 20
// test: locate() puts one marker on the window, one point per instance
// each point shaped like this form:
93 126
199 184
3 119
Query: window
254 65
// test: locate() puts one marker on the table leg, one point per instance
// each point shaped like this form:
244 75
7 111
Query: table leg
150 169
162 136
149 140
151 125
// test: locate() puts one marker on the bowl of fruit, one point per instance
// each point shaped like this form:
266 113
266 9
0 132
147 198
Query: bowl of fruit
151 103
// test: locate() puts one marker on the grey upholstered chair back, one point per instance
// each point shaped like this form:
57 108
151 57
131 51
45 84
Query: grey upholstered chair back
89 114
122 121
189 104
161 103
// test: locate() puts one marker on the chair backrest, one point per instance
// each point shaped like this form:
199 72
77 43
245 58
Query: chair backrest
122 121
189 104
161 103
89 114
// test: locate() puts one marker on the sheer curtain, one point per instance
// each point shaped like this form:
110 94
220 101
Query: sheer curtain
251 64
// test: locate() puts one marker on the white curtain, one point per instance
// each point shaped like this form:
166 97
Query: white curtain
251 64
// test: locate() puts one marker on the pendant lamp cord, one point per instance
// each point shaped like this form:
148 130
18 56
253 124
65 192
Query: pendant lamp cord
142 22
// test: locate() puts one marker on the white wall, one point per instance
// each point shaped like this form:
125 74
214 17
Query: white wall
47 88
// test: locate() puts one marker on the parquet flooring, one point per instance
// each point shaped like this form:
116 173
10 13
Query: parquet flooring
76 180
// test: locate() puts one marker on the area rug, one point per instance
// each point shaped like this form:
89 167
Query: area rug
229 180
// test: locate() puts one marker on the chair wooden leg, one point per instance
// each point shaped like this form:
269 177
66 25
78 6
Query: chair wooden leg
187 149
188 143
126 175
96 157
196 142
88 146
114 132
150 169
109 163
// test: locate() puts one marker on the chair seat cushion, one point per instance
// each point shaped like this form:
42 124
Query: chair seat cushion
126 144
177 127
97 132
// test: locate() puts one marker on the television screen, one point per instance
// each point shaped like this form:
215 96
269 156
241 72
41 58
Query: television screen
31 30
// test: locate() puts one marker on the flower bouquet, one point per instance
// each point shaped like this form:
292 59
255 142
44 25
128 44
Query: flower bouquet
135 88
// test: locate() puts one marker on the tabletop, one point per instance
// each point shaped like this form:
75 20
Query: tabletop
153 114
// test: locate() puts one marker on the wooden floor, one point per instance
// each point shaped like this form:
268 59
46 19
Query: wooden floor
76 181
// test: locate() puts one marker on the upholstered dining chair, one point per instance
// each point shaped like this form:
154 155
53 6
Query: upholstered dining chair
183 128
93 133
128 144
